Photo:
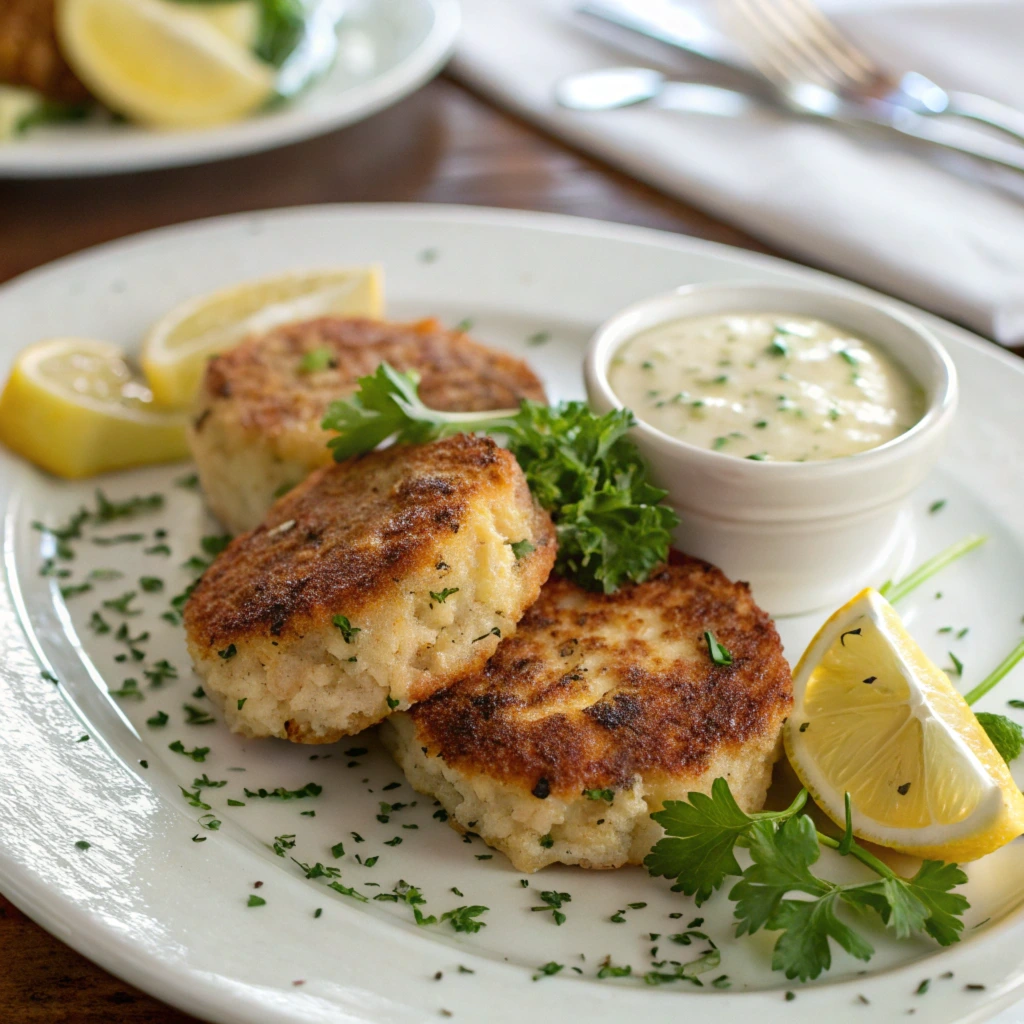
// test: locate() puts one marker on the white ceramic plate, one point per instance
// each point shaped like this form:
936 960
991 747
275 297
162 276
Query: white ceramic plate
387 49
170 914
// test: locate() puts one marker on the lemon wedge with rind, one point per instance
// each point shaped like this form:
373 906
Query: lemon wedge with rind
873 716
74 407
176 349
160 63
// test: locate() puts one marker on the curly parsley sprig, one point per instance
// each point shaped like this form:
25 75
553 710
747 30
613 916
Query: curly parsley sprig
699 852
580 467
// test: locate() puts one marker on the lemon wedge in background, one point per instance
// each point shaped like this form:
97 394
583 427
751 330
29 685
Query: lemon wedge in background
74 407
161 62
177 347
237 20
874 717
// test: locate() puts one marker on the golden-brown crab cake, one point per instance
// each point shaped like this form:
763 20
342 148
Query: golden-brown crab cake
257 429
599 709
369 587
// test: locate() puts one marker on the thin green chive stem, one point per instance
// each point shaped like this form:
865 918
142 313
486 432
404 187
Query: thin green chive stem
858 851
1002 669
894 592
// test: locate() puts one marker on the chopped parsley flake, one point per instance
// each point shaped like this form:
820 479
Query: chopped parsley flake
718 654
197 754
98 624
309 789
122 604
464 919
160 672
229 652
282 843
129 689
608 795
205 782
348 631
194 799
317 359
553 901
256 901
546 970
442 596
197 716
159 720
521 548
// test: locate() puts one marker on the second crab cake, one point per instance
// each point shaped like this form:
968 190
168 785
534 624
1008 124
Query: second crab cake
599 709
369 587
257 431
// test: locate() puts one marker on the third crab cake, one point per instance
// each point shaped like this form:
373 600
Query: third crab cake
599 709
256 431
369 587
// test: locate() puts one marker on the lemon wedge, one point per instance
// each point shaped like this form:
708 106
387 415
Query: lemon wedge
73 407
874 717
237 20
176 348
161 63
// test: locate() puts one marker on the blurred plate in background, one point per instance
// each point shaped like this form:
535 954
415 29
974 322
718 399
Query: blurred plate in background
388 48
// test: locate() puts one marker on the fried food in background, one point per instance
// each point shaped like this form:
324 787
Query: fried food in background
371 586
29 54
257 427
599 709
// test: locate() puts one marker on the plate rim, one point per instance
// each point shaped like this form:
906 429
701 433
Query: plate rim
204 995
256 135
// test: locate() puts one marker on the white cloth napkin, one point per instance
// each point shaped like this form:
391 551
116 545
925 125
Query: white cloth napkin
857 205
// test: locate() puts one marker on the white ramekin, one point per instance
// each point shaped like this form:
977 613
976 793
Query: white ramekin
805 535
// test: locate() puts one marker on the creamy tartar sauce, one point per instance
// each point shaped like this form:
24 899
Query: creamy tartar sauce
765 386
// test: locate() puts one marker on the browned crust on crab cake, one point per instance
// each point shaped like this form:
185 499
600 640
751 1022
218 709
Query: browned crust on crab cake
256 431
605 692
374 539
269 392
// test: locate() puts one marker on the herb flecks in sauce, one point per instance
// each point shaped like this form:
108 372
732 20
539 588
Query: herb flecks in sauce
811 390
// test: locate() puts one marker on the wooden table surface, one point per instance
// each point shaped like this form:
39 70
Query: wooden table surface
441 145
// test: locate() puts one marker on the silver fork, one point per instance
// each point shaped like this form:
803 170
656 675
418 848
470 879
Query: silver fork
793 43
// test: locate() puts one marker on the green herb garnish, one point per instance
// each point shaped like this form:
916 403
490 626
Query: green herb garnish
197 753
463 919
317 359
716 652
309 789
348 631
553 901
442 596
698 852
580 466
197 716
894 592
